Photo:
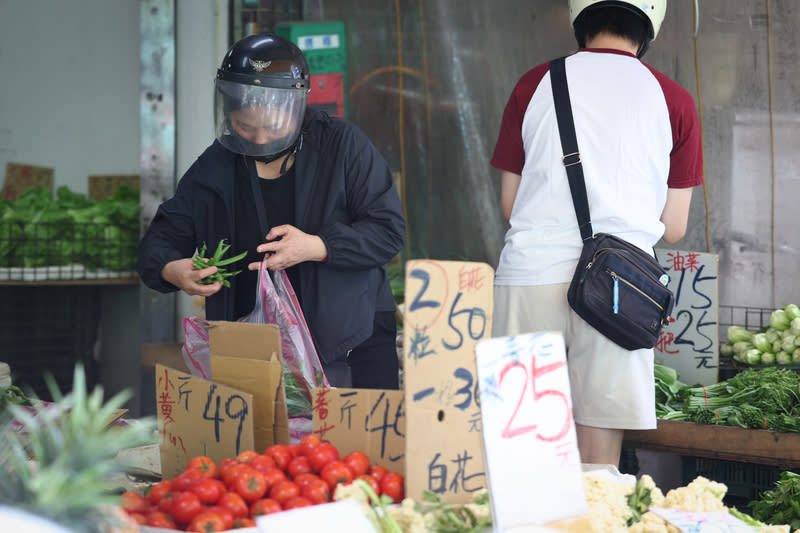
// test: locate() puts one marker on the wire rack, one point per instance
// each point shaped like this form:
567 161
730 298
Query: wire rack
31 251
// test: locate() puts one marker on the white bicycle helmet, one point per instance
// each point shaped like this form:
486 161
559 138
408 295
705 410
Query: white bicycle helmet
654 10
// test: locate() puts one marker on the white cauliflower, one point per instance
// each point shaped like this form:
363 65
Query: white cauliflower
354 491
699 495
409 520
607 503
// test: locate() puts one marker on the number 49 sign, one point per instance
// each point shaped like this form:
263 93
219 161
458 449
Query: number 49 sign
531 453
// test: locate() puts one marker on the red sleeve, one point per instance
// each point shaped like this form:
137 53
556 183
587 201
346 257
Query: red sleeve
509 152
686 157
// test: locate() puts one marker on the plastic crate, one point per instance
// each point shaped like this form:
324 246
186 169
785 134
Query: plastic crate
745 481
48 329
31 251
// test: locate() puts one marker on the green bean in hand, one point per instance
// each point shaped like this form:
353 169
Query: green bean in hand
200 261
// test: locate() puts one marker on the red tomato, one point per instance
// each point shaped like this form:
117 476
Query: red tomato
322 455
264 506
284 490
308 443
208 490
165 503
206 521
158 490
240 523
204 463
303 479
372 482
281 454
234 503
245 456
185 479
225 465
392 485
298 465
185 507
224 513
377 471
336 472
358 462
294 448
250 484
296 503
133 502
317 491
262 463
274 476
232 473
160 519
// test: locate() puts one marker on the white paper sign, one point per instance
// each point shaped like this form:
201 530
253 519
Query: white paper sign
528 431
690 344
703 522
345 516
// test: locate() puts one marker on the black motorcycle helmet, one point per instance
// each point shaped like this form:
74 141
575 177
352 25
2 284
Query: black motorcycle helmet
261 92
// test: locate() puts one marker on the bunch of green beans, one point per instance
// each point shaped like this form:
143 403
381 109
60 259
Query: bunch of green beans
200 261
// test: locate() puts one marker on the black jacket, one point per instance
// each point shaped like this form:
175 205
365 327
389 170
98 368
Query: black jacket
344 193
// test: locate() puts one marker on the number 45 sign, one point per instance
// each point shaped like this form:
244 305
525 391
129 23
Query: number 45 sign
528 431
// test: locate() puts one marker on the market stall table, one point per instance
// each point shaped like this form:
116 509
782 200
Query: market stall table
719 442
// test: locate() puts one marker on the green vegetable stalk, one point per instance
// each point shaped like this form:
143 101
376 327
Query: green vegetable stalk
200 261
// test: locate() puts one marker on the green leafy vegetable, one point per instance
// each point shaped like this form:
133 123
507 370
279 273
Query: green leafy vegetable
780 505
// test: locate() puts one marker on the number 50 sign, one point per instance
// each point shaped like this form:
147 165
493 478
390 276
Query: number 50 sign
528 431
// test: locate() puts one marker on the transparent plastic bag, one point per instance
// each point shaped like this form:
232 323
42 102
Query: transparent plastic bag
276 303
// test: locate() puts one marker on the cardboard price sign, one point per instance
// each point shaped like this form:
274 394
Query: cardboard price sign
690 344
369 420
448 310
199 417
528 431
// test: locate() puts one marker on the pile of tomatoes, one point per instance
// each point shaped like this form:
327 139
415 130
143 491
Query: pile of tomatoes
216 497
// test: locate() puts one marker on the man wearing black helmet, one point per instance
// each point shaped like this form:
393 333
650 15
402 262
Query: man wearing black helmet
308 190
640 147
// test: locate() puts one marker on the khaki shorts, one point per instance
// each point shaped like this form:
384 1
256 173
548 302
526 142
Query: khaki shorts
611 387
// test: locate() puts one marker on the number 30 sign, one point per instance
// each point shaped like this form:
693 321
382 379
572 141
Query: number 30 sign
528 431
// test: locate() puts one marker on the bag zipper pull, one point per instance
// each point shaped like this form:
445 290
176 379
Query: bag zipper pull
616 293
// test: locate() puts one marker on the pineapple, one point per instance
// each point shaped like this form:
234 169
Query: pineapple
59 466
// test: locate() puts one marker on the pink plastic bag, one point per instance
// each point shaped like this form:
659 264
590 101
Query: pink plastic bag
276 303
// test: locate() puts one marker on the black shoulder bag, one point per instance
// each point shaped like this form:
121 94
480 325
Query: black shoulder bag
617 288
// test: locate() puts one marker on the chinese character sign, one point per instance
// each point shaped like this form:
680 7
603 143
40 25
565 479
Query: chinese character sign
448 310
368 420
690 344
528 430
199 417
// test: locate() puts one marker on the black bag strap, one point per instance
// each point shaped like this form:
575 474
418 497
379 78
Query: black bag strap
569 146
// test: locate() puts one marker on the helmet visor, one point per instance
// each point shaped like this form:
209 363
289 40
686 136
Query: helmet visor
257 121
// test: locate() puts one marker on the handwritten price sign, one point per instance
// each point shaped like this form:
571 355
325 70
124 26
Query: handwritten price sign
448 310
199 417
690 344
370 420
528 430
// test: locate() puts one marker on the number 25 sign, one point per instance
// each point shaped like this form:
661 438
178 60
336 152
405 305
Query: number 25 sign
526 412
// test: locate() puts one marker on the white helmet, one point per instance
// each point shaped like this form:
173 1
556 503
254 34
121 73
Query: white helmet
654 10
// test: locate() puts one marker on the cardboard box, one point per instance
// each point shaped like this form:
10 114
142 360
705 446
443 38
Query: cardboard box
243 406
248 357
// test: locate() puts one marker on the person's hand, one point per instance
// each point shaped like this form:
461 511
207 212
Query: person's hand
182 274
289 246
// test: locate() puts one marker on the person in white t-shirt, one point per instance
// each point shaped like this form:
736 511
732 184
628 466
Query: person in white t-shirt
641 151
